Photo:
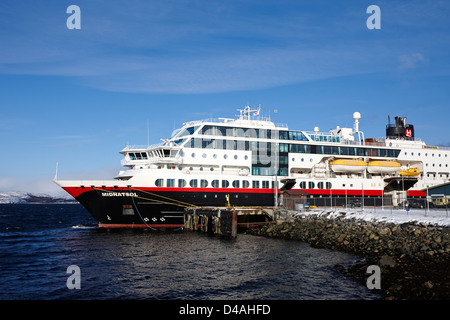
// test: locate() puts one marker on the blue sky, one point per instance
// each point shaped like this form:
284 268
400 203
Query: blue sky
77 97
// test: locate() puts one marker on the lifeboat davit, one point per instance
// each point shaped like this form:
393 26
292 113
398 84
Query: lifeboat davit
348 165
383 166
410 172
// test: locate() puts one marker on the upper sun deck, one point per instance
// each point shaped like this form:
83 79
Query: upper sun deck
247 118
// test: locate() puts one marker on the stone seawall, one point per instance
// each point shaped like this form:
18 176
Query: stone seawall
413 257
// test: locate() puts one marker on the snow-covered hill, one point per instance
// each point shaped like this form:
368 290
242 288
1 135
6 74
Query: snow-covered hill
26 197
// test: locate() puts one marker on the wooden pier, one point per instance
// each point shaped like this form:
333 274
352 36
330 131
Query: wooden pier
225 221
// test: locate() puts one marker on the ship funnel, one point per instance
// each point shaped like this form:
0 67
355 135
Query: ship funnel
400 129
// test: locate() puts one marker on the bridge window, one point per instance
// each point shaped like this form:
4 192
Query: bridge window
137 155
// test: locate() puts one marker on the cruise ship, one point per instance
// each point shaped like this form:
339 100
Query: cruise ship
250 161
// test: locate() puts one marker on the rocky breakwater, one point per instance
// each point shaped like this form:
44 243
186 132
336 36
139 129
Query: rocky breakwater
413 257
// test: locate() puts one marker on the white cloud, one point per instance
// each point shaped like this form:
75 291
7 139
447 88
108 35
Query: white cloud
234 71
410 61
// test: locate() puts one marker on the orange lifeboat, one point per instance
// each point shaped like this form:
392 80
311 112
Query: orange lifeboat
383 166
409 172
348 165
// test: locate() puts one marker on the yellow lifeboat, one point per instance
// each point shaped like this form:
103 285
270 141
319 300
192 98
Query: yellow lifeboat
348 165
383 166
409 172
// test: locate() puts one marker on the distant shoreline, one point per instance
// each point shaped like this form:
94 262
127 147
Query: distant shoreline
31 198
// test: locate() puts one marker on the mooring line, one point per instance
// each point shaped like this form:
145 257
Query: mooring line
152 200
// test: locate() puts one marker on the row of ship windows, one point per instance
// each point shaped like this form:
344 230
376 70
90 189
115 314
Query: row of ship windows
426 154
267 147
289 147
224 131
137 155
235 157
253 133
225 156
203 183
440 165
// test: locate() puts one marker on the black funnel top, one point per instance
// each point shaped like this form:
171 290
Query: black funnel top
400 129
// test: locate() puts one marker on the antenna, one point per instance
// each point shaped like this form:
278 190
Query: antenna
148 134
356 117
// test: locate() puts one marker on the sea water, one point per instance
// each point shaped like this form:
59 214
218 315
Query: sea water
39 243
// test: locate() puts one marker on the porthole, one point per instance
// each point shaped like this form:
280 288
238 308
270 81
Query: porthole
204 155
193 155
193 183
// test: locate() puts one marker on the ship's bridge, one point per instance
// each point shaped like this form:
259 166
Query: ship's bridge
143 156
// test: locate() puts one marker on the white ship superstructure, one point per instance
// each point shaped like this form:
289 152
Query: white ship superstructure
245 162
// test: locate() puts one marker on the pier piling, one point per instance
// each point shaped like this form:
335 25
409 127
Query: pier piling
225 221
234 224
